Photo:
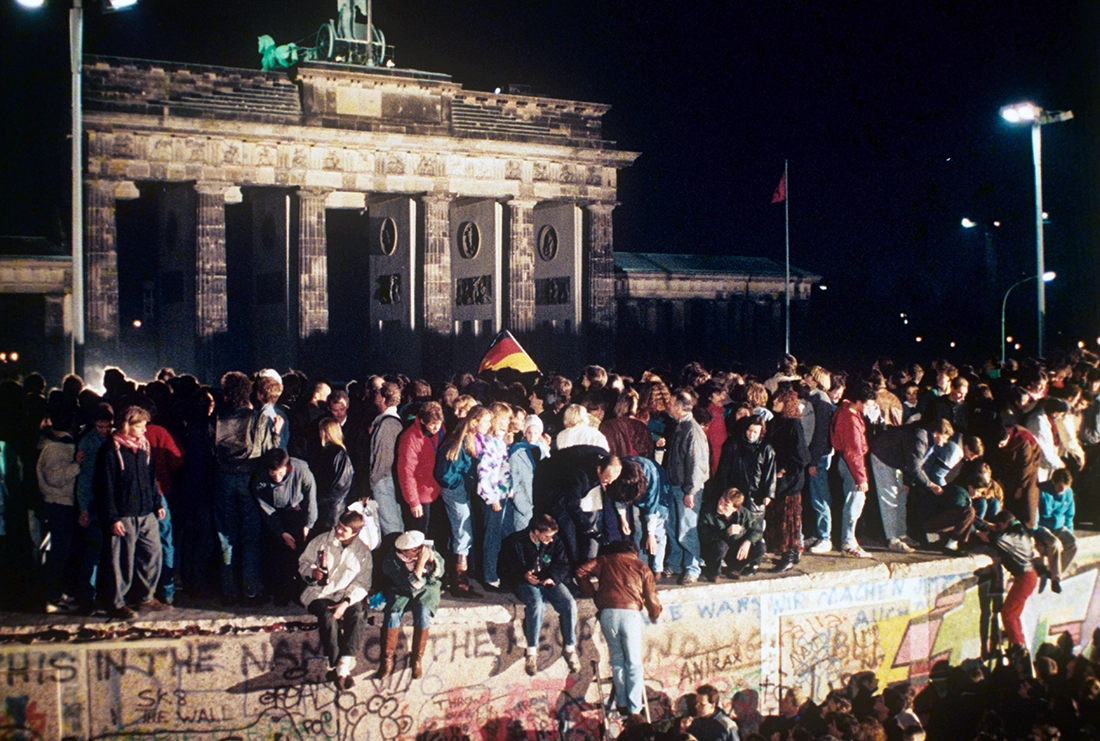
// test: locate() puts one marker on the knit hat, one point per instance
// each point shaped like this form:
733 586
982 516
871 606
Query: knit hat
532 420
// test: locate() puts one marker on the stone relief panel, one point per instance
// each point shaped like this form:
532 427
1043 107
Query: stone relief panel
542 172
428 167
332 160
477 291
513 170
195 150
552 291
389 289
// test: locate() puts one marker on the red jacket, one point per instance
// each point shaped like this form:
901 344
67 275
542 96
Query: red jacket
166 455
848 434
416 465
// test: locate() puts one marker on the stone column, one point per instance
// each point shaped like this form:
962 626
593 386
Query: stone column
211 307
600 267
312 263
521 266
438 291
101 260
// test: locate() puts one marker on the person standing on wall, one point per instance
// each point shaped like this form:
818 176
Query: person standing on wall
624 587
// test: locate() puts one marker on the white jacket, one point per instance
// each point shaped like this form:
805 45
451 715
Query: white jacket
349 569
57 471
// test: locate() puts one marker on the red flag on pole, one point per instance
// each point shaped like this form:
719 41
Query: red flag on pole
780 193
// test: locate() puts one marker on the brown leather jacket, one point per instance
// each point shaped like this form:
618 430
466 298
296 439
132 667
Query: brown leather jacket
625 583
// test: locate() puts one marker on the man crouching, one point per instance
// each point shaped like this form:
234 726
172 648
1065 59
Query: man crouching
336 567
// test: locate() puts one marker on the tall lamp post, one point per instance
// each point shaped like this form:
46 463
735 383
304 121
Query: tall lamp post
1047 278
76 135
1037 117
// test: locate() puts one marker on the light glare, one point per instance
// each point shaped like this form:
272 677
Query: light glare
31 4
968 224
1049 276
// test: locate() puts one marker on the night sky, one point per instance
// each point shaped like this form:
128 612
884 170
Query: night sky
888 113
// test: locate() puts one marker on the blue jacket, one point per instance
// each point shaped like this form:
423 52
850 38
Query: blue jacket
1056 510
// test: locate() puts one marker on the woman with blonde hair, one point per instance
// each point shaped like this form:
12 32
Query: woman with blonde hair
494 488
456 472
333 471
579 430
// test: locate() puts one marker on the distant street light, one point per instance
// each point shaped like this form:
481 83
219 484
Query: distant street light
1047 278
76 135
1037 117
990 256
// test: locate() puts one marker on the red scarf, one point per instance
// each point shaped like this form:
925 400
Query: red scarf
136 444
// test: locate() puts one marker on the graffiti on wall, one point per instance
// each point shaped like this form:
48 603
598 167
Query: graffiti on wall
263 685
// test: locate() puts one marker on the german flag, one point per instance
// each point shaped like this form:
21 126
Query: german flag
505 352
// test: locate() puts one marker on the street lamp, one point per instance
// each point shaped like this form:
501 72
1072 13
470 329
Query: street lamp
76 135
990 255
1037 117
1047 278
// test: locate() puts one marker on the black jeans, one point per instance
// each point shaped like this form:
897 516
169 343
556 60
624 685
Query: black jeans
716 550
342 637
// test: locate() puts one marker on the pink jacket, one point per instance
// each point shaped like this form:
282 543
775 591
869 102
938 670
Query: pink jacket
416 465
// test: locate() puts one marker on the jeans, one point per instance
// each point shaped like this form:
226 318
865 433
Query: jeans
422 616
89 554
656 560
622 629
342 637
821 500
62 523
237 520
985 509
136 556
389 511
490 544
854 500
167 584
534 599
893 495
457 502
688 532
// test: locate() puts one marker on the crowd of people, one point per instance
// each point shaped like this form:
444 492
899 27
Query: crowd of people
391 491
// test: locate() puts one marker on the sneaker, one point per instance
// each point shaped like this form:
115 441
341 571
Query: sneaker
53 608
951 545
854 551
687 579
909 541
899 546
121 613
531 664
822 546
932 537
572 661
784 564
152 605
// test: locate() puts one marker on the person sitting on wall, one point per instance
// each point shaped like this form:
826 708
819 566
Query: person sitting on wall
727 526
336 567
533 564
286 495
415 571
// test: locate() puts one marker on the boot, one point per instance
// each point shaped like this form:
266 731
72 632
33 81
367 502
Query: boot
420 644
389 648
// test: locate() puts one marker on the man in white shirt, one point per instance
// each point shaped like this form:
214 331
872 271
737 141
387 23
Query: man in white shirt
336 567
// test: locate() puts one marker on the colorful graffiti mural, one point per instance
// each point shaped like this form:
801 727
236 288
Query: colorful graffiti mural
810 631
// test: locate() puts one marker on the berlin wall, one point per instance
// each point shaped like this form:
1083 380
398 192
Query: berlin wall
263 678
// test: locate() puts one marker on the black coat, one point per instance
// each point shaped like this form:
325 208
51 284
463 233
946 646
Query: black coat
786 438
519 554
124 483
748 467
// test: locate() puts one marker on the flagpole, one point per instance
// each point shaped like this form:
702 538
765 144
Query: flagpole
787 282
